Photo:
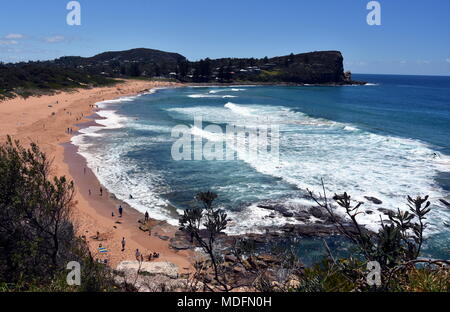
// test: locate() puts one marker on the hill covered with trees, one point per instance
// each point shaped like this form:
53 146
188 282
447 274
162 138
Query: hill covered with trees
325 67
25 79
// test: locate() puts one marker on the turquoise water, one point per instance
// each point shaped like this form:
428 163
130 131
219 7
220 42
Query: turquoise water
387 140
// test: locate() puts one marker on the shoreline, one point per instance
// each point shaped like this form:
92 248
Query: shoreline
112 228
45 120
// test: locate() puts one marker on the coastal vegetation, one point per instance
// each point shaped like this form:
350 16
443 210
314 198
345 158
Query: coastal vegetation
36 78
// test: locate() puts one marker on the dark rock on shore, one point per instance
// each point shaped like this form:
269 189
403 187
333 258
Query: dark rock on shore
164 238
318 212
445 202
180 244
181 241
374 200
278 208
385 211
301 213
312 230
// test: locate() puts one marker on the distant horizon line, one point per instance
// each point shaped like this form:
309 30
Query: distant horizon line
418 75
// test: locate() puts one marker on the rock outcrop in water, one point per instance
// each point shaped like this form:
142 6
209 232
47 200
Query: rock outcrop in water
325 67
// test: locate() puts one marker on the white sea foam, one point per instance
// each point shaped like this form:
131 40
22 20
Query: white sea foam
348 159
350 128
213 137
245 111
110 119
122 177
254 220
209 95
200 96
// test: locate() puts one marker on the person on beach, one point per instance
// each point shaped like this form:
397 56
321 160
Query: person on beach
90 193
138 255
123 244
101 191
146 217
120 211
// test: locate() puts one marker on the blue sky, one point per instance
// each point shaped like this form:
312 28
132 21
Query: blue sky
414 37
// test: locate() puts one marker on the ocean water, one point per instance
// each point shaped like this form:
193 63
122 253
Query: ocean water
387 140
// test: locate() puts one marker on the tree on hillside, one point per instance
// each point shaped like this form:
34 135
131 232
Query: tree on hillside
204 224
35 230
37 238
183 68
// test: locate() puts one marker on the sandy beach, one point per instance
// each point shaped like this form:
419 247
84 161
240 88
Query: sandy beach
45 120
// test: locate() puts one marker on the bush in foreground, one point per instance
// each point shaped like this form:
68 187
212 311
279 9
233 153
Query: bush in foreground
37 237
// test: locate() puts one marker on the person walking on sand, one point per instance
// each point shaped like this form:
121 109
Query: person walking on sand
123 244
146 217
138 255
101 191
120 211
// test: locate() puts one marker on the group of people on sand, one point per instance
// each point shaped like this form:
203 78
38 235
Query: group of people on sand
139 255
153 256
150 257
101 192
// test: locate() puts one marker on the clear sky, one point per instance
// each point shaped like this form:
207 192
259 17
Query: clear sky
414 37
